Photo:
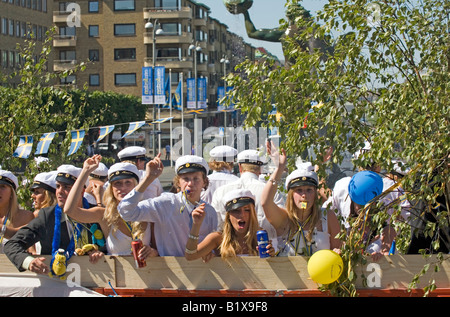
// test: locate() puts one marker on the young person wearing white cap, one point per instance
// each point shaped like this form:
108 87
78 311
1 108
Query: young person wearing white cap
12 217
221 163
123 177
96 188
53 229
238 235
43 191
302 227
250 163
137 156
172 212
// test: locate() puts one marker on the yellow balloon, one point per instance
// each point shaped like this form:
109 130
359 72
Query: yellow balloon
325 266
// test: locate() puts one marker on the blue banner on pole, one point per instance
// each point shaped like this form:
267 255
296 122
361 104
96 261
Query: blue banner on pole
190 104
220 95
147 85
201 93
160 95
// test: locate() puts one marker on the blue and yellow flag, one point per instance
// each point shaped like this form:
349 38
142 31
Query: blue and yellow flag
44 143
24 148
161 120
197 111
77 140
104 131
133 127
167 91
176 99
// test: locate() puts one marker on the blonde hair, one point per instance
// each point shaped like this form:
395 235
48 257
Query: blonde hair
229 246
220 166
292 212
49 199
246 167
113 218
13 205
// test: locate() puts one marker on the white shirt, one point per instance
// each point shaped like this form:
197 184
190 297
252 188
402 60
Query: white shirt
172 227
217 179
397 193
340 199
154 189
320 241
118 243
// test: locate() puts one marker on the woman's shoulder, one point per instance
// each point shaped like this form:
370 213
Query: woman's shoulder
23 217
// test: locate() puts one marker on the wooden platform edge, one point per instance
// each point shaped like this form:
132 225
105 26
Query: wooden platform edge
245 276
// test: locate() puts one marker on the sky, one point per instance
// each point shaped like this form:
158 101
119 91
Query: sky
264 14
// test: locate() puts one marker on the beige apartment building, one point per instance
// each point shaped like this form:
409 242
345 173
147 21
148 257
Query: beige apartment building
119 37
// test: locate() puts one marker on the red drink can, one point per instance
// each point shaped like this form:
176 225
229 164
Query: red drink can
136 245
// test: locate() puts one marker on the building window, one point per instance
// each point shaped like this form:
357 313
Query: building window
69 80
93 6
124 54
125 79
171 28
11 27
4 59
124 5
94 80
166 4
4 26
93 31
125 29
94 55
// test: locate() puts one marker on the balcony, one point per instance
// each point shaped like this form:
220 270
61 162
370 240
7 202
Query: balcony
183 38
200 22
60 16
170 62
63 65
168 13
64 40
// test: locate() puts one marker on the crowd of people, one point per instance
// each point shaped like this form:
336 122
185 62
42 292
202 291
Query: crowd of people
209 211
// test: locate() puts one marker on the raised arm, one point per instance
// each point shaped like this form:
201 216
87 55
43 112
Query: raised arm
275 215
195 250
72 206
153 170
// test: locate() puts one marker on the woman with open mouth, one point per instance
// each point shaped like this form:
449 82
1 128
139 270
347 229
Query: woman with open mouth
238 235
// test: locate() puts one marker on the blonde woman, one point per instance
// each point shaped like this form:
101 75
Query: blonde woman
43 191
123 177
12 217
238 236
302 227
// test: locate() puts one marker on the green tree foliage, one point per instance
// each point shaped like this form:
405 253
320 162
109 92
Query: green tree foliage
36 106
386 81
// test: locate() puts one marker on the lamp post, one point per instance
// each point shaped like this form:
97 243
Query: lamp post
225 61
196 48
156 29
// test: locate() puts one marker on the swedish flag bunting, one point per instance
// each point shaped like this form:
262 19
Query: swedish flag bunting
44 143
161 120
77 140
104 131
134 126
24 148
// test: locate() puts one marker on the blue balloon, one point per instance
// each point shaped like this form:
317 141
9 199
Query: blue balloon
365 186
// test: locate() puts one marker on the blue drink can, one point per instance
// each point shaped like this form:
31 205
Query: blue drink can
263 240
